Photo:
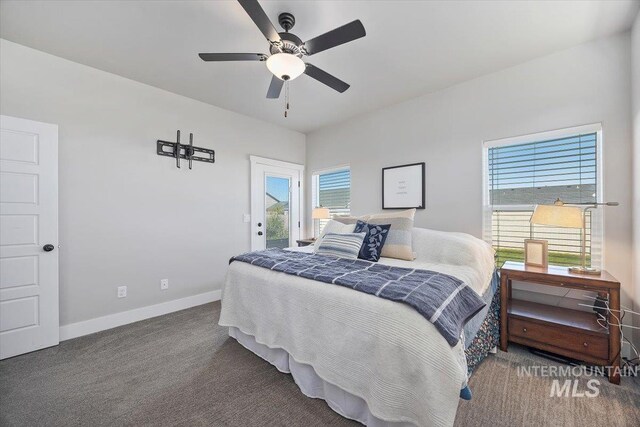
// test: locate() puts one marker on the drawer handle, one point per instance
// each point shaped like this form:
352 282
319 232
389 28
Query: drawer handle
585 344
524 329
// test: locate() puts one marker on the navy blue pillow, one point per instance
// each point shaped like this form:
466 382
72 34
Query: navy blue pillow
373 241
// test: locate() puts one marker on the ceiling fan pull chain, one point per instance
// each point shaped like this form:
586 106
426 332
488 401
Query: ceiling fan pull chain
286 98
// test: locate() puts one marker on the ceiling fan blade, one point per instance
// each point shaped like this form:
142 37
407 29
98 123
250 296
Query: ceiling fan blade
326 78
232 56
341 35
275 88
260 18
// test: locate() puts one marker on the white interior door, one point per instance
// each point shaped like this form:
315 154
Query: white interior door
28 236
276 194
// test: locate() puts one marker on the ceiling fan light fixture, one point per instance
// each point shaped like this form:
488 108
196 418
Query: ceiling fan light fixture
285 66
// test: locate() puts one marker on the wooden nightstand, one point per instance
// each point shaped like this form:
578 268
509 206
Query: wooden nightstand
305 242
570 333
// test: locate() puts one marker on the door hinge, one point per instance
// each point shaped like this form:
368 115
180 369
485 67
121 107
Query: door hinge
298 184
298 224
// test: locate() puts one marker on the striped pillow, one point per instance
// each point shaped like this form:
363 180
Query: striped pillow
341 245
398 244
333 227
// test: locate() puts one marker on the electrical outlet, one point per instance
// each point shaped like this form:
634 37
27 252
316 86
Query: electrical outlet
122 291
164 284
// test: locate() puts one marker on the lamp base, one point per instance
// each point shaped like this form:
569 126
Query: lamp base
585 270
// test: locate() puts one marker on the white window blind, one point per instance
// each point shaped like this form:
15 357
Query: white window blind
332 190
523 174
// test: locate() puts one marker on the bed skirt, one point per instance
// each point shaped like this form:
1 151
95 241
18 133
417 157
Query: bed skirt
311 385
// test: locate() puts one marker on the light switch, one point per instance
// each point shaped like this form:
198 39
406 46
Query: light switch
246 218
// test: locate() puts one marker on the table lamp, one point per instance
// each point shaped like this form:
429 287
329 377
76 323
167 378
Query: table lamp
561 215
320 213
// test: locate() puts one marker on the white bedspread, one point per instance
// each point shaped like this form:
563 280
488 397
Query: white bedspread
382 351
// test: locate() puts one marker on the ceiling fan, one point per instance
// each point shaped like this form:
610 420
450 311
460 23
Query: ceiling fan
286 49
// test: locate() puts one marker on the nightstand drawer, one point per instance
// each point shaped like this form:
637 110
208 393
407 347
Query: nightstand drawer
560 337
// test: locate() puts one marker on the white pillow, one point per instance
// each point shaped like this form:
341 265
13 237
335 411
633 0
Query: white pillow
333 227
348 219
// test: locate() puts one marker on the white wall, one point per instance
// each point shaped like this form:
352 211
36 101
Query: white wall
635 81
128 216
587 84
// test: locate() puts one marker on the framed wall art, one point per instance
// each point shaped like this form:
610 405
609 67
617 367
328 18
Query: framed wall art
403 187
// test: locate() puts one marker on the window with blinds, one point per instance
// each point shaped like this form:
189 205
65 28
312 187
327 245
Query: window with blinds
332 190
521 175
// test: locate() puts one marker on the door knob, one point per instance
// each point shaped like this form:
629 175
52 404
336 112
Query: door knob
259 233
48 247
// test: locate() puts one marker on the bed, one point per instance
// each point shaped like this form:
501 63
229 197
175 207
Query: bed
372 360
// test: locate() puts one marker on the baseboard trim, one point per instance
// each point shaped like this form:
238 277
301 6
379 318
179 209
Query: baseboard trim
74 330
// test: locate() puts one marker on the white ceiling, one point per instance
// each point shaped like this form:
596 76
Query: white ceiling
411 47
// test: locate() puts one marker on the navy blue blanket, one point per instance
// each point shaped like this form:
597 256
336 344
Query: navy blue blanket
443 300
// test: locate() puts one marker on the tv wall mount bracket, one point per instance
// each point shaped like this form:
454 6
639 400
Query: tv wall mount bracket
185 151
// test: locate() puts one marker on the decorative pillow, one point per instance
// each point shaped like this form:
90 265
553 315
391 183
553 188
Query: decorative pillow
346 219
341 245
398 244
333 227
373 241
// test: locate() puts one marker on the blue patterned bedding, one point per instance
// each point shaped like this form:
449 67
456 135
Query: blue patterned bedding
443 300
472 327
479 342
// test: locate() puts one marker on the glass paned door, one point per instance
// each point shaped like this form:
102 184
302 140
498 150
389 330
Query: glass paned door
277 211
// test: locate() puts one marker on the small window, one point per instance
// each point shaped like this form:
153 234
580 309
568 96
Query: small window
332 190
538 169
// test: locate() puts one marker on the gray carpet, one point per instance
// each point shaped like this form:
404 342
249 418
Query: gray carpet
182 369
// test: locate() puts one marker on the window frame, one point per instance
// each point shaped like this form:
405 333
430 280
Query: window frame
597 219
315 194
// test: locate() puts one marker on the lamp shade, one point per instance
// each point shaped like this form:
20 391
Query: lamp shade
285 66
320 213
557 216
